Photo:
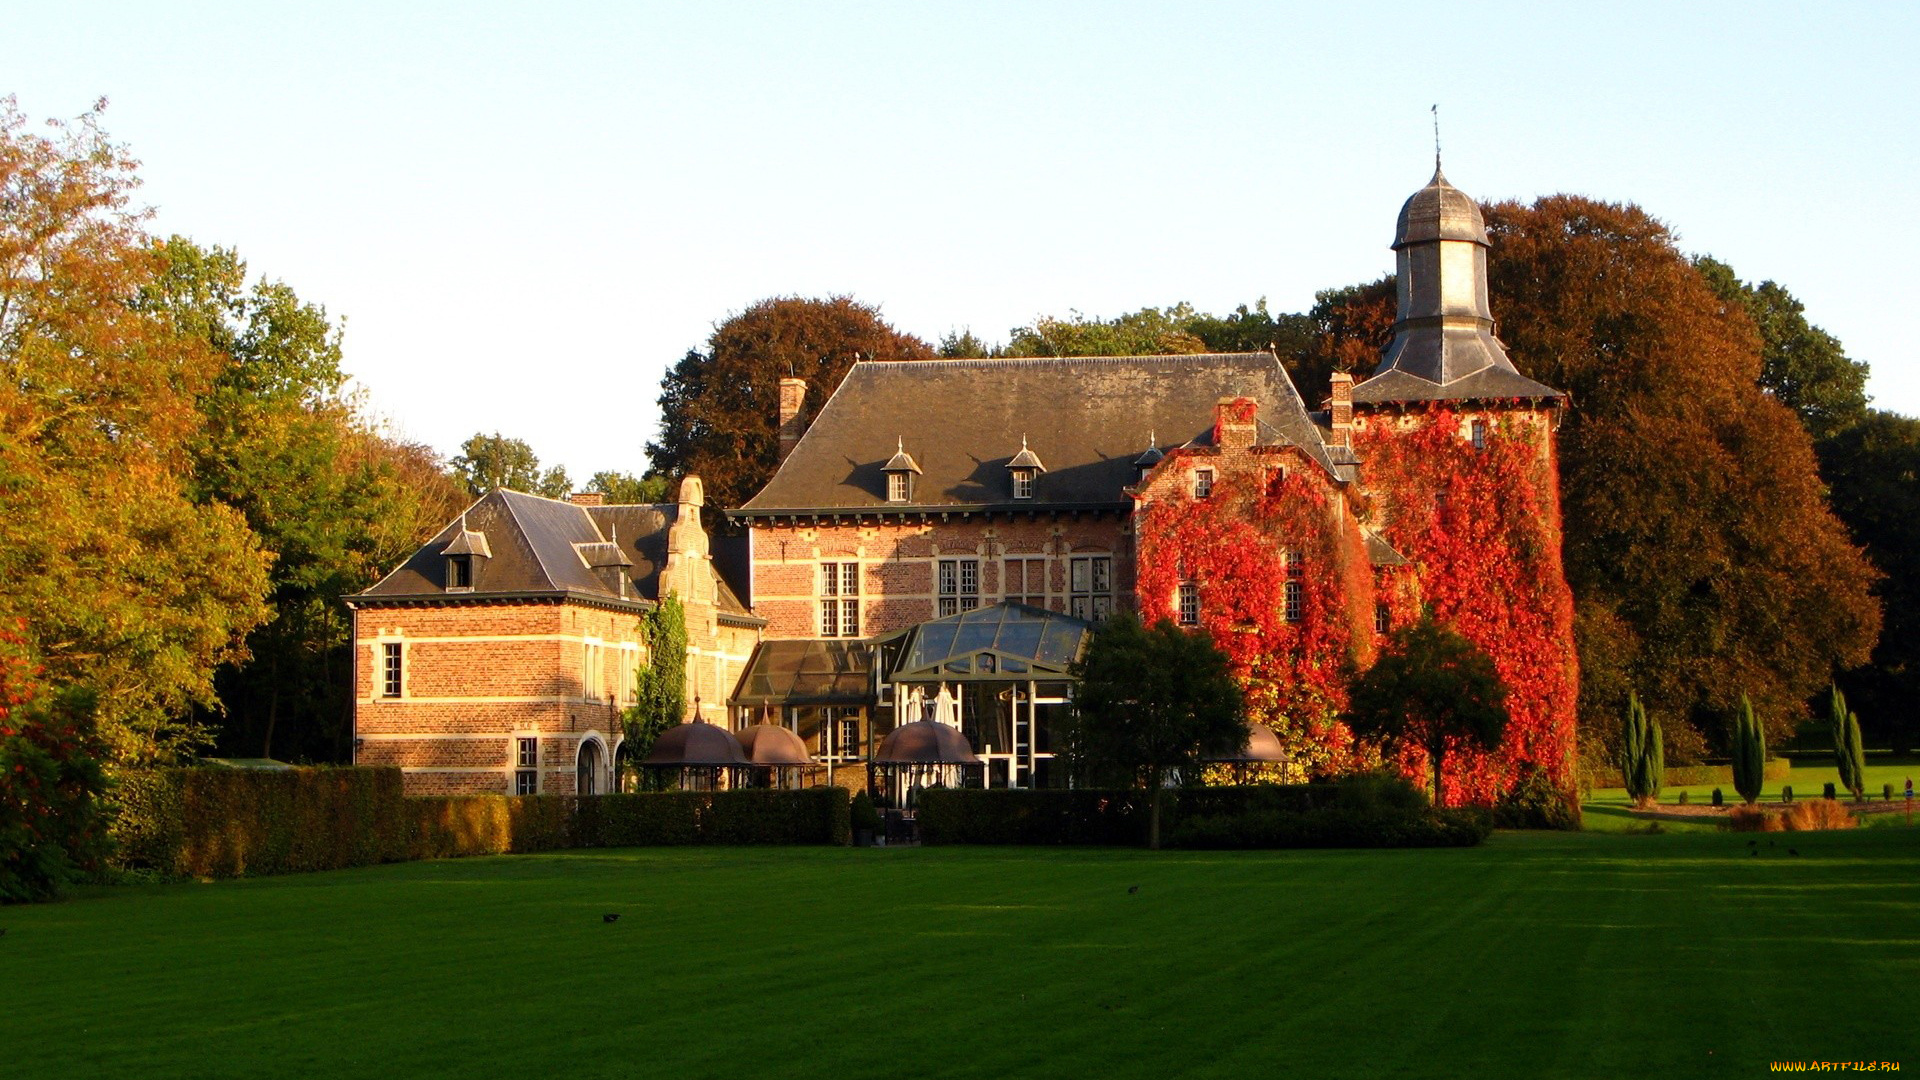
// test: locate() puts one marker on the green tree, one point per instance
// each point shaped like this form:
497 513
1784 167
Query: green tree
335 504
1147 332
1848 753
1749 752
719 408
1432 689
487 462
52 824
626 489
1872 470
130 587
1642 757
1802 366
1151 705
660 684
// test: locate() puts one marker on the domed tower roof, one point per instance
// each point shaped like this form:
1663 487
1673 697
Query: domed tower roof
1439 211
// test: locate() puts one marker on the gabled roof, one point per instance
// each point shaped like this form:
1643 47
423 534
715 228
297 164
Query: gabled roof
546 547
1086 417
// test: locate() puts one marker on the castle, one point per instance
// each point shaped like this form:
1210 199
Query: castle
944 534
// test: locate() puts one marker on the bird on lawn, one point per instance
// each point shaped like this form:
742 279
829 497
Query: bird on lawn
1131 889
608 918
1793 851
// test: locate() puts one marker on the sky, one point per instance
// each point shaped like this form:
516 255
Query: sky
527 213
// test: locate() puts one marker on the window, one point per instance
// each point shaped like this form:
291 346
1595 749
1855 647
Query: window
1023 483
1202 483
849 738
840 599
1294 606
1187 603
1026 582
459 572
1276 479
1479 430
1382 618
897 490
1090 584
592 671
629 663
390 671
526 761
959 585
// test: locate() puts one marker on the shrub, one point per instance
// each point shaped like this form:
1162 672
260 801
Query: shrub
1642 755
52 825
1381 790
1827 792
1886 791
1719 799
1848 752
1753 819
1808 816
1683 798
865 818
1786 794
1004 816
220 822
1536 802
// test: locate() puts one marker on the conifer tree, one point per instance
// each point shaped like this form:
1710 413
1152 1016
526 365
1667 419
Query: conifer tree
1848 754
1749 753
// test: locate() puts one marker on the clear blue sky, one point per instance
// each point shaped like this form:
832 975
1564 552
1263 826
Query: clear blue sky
527 212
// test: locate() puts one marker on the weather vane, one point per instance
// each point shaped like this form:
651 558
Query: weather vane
1436 138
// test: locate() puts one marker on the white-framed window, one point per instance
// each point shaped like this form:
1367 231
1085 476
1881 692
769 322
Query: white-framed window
1202 483
1090 587
839 599
1186 603
959 581
629 661
897 486
1477 431
392 668
1023 483
592 671
1292 599
1382 618
526 765
1025 581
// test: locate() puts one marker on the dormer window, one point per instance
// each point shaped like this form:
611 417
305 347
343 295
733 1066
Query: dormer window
900 471
460 552
1024 467
459 572
1150 458
1202 483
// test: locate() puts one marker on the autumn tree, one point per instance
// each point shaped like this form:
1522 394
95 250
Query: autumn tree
130 588
719 407
1699 544
486 462
1433 691
1150 705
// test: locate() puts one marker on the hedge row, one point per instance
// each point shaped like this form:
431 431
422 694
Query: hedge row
1362 811
215 823
1677 776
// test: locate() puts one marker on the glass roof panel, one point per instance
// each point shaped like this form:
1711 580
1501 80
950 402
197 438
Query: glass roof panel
1023 637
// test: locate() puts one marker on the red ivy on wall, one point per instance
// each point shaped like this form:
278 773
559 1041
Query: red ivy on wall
1233 546
1483 528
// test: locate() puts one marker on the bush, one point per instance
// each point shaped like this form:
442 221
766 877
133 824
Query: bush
864 817
1381 790
1749 753
1014 816
52 825
1719 799
1683 798
1786 794
1536 802
1827 792
1886 791
1810 816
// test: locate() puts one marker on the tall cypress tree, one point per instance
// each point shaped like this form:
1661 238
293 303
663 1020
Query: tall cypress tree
1848 753
1749 753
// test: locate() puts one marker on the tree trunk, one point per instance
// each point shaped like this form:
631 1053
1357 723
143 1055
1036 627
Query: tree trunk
1437 754
1154 795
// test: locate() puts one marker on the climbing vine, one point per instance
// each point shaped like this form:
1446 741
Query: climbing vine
1483 528
1233 545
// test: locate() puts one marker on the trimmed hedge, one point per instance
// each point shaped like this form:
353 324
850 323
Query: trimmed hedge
1779 768
214 823
1362 811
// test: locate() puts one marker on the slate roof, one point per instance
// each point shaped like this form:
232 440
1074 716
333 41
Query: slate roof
1088 418
1488 384
547 547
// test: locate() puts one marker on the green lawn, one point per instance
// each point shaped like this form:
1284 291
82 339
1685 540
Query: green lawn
1606 808
1584 955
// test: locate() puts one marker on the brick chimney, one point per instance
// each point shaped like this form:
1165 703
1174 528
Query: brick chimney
587 498
1233 423
793 401
1340 408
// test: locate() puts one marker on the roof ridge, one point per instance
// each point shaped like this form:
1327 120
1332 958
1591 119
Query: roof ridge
1050 361
526 538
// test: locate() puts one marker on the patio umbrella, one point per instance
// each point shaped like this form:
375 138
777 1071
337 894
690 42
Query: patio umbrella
771 744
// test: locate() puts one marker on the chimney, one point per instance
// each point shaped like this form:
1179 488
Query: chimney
587 498
1340 408
793 399
1233 423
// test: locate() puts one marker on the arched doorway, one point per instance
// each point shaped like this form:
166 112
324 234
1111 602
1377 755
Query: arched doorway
587 770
